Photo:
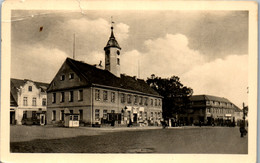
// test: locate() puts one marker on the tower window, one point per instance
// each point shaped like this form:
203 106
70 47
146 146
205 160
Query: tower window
118 52
118 61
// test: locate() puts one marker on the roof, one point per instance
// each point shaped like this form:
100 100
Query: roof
96 76
208 98
17 83
112 41
12 101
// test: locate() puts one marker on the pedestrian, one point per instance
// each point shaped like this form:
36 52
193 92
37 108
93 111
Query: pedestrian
242 129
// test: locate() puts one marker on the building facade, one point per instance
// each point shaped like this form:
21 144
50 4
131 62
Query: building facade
102 96
209 110
27 98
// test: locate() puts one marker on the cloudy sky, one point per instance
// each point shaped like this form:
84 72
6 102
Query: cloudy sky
208 50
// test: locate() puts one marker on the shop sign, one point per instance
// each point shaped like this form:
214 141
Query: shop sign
228 115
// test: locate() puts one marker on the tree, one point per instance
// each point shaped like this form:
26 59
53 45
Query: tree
175 95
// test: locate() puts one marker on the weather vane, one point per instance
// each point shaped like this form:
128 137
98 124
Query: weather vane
112 22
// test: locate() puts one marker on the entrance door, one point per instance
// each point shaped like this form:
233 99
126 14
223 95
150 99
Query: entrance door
135 118
42 119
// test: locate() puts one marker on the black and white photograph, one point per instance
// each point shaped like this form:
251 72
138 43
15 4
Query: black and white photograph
146 79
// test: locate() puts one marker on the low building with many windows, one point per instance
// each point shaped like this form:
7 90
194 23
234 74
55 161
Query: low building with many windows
102 96
27 98
209 110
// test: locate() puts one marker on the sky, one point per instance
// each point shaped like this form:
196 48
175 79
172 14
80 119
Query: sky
208 50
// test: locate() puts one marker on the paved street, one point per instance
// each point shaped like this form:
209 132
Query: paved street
37 139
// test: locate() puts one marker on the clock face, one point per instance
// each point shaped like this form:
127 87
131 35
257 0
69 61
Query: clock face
118 52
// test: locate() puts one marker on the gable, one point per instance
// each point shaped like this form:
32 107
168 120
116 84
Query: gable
67 77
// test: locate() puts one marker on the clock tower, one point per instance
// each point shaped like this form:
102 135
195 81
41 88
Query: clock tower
112 55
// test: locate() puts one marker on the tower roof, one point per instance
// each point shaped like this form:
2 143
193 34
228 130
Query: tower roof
112 41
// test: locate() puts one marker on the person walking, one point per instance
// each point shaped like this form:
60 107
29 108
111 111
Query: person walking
242 129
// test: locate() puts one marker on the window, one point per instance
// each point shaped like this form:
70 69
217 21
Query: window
141 101
71 96
122 98
54 115
128 114
140 115
62 115
152 115
113 98
208 102
71 76
151 102
155 115
97 114
97 94
81 115
34 101
105 114
25 101
62 77
155 102
30 88
71 111
24 114
44 102
112 111
146 101
62 97
159 102
129 100
105 95
54 98
118 61
34 115
135 99
80 95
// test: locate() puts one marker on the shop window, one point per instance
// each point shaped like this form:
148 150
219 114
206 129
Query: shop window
97 114
80 95
145 115
105 114
24 114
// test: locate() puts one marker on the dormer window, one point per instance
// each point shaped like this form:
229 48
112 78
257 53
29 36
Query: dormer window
71 76
62 77
30 88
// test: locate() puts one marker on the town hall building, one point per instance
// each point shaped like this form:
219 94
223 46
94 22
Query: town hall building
100 96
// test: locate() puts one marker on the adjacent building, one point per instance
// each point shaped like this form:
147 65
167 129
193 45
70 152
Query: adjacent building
27 97
102 96
207 109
